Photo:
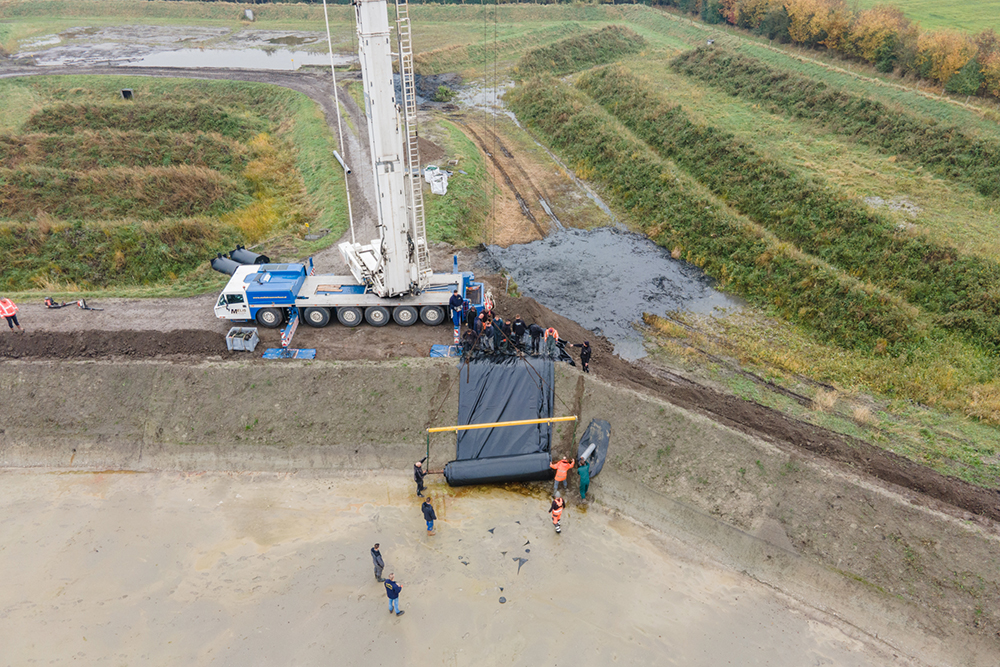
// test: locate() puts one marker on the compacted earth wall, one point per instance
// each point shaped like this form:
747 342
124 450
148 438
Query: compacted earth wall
879 556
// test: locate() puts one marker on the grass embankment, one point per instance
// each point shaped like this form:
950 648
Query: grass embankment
945 149
458 217
471 58
148 191
581 52
962 292
675 212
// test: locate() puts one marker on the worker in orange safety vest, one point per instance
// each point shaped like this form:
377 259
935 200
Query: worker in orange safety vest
8 310
561 468
551 338
558 504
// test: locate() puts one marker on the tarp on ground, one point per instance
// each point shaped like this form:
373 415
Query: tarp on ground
505 389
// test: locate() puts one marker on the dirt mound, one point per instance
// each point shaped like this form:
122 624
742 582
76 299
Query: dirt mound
96 344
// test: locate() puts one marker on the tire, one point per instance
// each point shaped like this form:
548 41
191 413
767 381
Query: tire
377 316
349 316
316 317
270 318
405 316
432 315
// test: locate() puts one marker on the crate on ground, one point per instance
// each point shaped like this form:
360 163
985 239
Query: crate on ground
242 338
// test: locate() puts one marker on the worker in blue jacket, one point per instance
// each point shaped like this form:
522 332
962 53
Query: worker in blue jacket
456 303
392 592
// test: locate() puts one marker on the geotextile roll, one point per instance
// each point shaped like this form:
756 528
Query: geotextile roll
523 468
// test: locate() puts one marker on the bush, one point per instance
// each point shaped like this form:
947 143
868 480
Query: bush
945 149
964 292
734 251
580 52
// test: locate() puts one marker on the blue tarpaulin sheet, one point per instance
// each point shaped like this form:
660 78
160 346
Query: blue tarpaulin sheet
288 353
446 351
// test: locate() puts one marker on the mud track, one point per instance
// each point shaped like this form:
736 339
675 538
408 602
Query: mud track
205 339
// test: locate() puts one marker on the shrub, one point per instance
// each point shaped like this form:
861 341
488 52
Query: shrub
733 250
945 149
964 292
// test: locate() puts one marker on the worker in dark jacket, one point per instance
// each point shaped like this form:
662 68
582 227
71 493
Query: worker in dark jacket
498 336
456 303
429 516
536 332
486 337
377 561
418 476
584 355
517 328
392 592
470 318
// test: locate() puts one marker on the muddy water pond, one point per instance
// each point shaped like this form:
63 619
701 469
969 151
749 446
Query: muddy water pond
605 279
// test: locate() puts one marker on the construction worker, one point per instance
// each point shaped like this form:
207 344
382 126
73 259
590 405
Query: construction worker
517 328
536 332
418 476
9 312
561 467
429 516
584 471
377 561
486 337
556 511
551 340
498 332
584 355
392 592
456 303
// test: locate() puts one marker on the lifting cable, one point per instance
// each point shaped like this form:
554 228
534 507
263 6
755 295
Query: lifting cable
340 127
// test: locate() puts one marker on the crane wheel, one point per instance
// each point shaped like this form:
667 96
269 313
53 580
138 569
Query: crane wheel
316 317
432 315
270 318
405 315
349 316
377 316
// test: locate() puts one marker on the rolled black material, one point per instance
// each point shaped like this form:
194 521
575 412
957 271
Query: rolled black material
598 433
244 256
225 265
523 468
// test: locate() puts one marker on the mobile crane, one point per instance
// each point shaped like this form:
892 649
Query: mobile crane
390 277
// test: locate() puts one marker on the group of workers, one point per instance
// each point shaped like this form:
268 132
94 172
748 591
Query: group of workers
562 468
491 333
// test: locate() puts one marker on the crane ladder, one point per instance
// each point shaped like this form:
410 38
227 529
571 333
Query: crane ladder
415 195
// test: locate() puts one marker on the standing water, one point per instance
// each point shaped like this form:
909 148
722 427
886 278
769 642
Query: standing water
605 279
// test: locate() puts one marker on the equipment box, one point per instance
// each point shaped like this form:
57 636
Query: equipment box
242 338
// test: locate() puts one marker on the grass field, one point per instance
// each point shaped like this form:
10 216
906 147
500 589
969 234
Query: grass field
966 15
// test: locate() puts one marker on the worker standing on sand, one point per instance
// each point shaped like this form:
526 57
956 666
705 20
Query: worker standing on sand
392 592
584 471
418 476
429 516
536 332
556 511
377 560
561 467
584 354
9 312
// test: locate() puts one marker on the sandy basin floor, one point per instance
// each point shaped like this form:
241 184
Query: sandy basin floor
274 569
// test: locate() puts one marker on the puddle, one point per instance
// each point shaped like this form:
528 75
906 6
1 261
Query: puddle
292 40
605 279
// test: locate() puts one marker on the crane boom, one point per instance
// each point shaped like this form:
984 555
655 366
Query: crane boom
390 265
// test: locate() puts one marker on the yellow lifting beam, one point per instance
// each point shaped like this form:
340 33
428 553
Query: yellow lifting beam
522 422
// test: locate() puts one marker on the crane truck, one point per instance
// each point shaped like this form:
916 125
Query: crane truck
391 276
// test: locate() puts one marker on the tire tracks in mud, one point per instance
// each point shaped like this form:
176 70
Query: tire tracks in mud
508 181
